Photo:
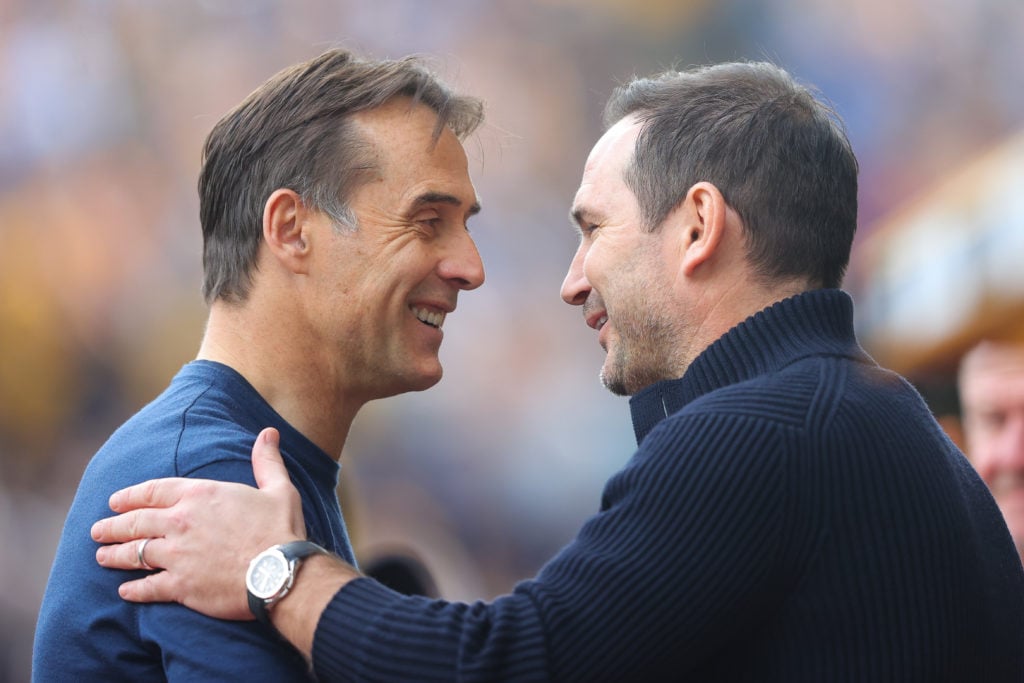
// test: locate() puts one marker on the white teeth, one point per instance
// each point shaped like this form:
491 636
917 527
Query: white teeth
600 323
429 317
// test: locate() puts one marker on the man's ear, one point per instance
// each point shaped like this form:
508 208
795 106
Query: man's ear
703 225
285 229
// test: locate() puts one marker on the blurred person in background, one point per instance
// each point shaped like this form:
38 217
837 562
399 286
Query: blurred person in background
991 385
333 203
793 512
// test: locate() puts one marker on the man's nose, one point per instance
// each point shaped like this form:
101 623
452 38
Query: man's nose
576 287
462 264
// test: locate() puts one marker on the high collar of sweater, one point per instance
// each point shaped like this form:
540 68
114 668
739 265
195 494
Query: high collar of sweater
818 322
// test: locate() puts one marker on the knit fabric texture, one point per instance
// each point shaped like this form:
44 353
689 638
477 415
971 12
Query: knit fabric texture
793 513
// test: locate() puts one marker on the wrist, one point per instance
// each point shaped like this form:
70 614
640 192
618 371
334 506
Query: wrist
297 617
272 574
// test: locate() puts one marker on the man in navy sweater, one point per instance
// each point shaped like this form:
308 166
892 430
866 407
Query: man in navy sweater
792 512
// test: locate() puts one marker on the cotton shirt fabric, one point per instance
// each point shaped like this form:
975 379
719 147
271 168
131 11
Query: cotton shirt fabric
202 426
793 513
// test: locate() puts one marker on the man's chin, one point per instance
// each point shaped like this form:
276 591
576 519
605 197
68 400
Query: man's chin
427 379
613 380
618 386
614 386
623 383
411 382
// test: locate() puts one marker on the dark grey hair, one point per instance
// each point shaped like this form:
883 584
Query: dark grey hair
780 157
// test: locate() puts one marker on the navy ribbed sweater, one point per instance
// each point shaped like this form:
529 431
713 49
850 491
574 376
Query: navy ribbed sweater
793 513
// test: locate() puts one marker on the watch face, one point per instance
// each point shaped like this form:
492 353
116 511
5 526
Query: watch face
268 575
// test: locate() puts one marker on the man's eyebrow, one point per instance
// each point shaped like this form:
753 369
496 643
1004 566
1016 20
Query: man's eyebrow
580 216
444 198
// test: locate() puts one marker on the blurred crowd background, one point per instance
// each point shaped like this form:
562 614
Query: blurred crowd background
104 105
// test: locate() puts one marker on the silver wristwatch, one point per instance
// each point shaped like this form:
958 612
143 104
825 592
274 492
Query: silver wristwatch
272 573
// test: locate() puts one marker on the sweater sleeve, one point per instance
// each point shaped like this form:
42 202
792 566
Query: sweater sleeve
681 558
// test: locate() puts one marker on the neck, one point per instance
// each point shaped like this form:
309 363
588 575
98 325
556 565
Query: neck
278 361
734 301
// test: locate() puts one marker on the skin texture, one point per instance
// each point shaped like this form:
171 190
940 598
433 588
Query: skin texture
667 294
992 399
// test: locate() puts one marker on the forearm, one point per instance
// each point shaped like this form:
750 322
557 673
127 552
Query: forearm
369 632
296 616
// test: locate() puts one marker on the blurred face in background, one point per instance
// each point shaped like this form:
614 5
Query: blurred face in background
992 399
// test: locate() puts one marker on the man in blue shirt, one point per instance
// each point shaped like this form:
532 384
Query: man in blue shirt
333 202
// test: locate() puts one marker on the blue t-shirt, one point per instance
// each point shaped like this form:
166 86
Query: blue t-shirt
202 426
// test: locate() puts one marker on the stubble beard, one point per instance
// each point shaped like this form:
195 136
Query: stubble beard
642 356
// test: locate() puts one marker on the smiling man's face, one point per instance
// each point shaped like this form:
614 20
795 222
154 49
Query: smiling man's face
619 273
386 286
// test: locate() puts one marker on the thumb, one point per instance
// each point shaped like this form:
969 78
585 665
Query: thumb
267 465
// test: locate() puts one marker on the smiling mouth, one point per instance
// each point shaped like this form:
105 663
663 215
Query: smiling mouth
600 322
434 319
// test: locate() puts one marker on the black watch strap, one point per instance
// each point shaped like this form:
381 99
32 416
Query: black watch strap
259 610
294 551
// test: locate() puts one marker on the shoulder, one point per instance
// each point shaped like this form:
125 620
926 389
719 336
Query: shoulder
807 394
763 421
185 429
707 451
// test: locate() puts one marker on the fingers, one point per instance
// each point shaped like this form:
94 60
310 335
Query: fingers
272 477
167 587
153 588
155 493
130 526
267 466
128 555
158 507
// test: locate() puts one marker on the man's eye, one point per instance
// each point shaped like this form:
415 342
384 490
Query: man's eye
430 223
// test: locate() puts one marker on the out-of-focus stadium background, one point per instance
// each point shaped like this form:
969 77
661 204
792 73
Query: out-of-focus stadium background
103 109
